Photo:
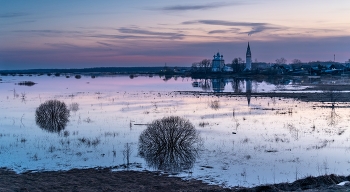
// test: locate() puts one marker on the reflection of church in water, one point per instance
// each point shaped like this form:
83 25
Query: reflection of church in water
218 85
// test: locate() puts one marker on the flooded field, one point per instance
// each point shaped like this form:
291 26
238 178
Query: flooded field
243 140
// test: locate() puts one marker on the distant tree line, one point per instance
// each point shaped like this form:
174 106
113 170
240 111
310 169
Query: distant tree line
205 65
238 64
88 70
202 66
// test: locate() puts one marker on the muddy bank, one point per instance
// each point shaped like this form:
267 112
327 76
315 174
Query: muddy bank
98 180
106 180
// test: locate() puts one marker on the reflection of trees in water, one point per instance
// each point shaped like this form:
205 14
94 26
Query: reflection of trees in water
169 144
333 118
237 86
167 77
332 97
205 85
256 86
294 132
52 116
273 100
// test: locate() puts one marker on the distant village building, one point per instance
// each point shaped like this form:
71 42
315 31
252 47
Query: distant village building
347 64
248 65
260 66
228 68
218 63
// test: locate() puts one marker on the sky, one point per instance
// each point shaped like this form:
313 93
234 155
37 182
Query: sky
38 34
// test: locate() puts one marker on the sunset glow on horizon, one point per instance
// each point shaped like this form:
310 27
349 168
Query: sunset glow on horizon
79 34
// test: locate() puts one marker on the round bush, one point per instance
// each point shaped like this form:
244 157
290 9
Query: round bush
52 115
169 144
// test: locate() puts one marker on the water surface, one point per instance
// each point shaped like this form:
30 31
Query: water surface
246 141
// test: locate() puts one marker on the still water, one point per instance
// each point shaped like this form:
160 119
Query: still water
244 140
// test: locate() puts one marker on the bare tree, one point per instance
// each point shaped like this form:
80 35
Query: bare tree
240 60
52 116
235 64
202 66
127 153
206 64
282 60
235 61
194 66
169 144
296 61
238 64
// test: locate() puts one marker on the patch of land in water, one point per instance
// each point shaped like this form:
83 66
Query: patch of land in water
303 96
106 180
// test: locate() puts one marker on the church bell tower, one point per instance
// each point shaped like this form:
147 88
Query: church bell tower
248 65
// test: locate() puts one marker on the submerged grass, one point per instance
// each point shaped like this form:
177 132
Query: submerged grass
89 142
203 124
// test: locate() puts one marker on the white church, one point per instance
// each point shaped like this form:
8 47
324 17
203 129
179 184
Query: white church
218 62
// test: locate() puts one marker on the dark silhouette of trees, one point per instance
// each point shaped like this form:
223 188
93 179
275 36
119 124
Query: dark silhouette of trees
52 116
202 66
78 76
205 85
296 61
238 64
235 64
194 67
206 64
169 144
26 83
281 60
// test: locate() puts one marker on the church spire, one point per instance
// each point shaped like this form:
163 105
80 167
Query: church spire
248 64
249 54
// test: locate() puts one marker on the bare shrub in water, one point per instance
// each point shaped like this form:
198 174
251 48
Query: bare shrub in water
169 144
74 107
203 124
26 83
78 76
127 153
52 116
215 105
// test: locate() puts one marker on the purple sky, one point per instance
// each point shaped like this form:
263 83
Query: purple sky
78 34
